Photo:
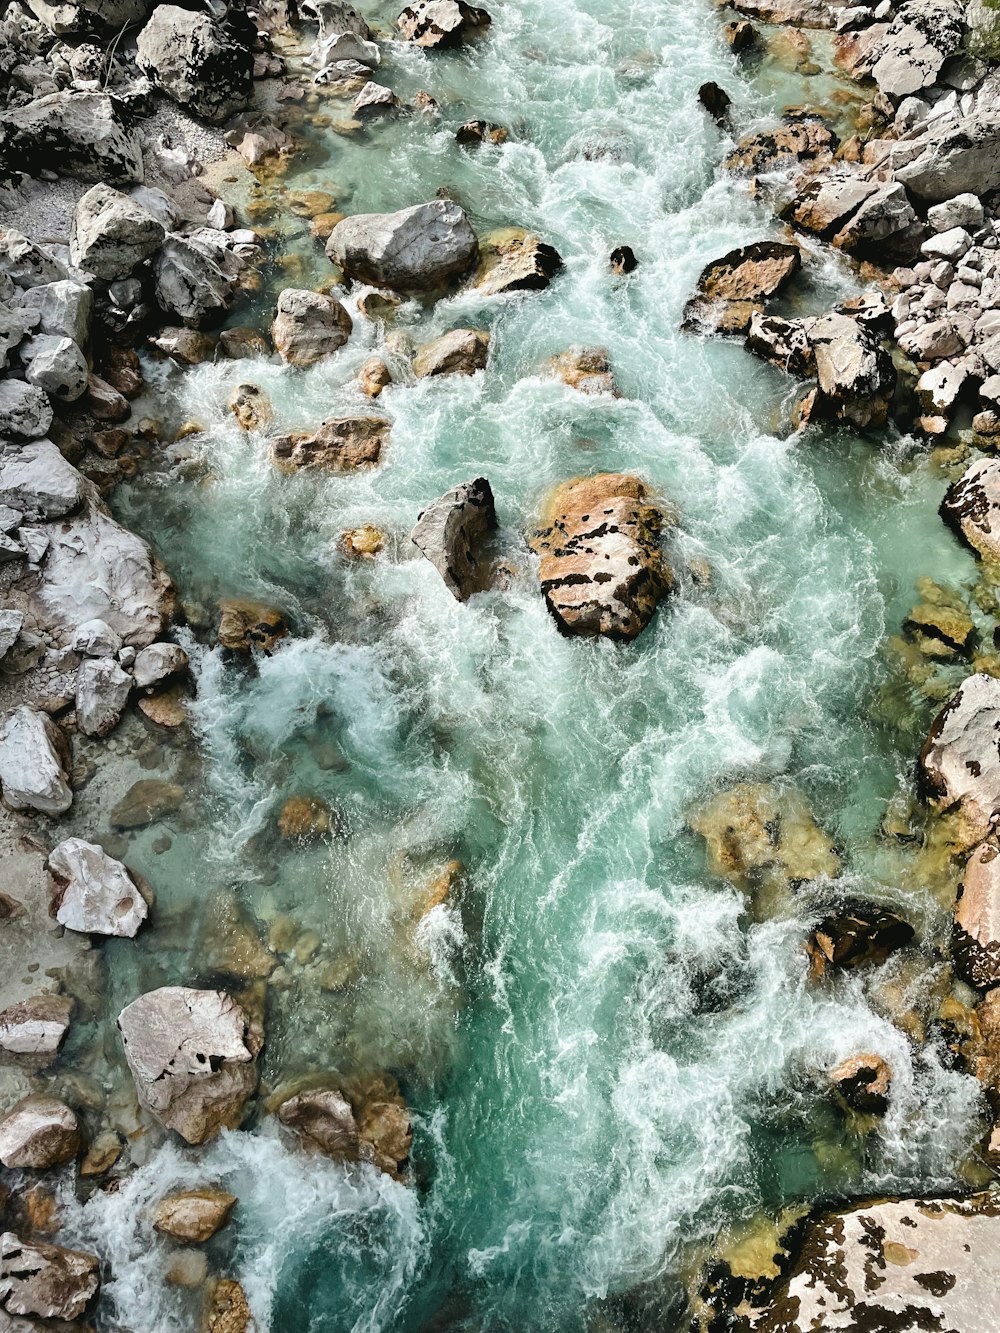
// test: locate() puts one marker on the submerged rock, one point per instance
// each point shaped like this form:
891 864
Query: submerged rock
339 444
893 1264
92 892
586 369
863 1082
112 233
32 1031
193 1056
438 23
305 818
227 1309
195 1215
34 763
451 533
246 624
146 802
250 406
196 61
602 571
324 1119
45 1281
857 934
460 352
39 1133
959 763
309 326
385 1133
975 946
972 507
416 249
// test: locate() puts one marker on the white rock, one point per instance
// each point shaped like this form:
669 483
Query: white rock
63 308
38 481
31 769
10 627
40 1132
35 542
32 1030
102 694
195 277
25 411
95 638
92 892
965 210
158 203
416 249
220 215
157 663
112 233
26 263
950 245
196 61
56 365
44 1280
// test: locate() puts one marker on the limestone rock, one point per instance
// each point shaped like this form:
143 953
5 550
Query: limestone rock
102 693
362 542
246 624
855 373
975 943
460 352
34 763
375 99
95 638
784 342
196 61
195 1215
25 411
309 326
40 1133
45 1281
62 308
385 1133
196 280
800 141
193 1056
56 365
112 233
84 134
11 623
157 664
190 347
951 157
972 507
884 227
86 16
250 406
522 263
325 1120
416 249
32 1031
374 376
339 444
586 369
965 210
743 279
451 533
437 23
228 1310
602 571
92 892
146 802
25 263
797 13
921 37
824 203
893 1264
863 1082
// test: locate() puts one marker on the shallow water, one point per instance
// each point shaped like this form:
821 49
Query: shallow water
608 1060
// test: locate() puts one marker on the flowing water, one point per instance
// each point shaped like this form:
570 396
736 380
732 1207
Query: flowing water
607 1059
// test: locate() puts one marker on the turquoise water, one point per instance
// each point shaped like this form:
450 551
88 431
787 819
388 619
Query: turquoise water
607 1060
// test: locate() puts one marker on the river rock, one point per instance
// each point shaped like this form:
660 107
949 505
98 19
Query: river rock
965 210
784 342
797 13
158 664
147 802
460 352
250 406
520 264
195 1215
309 326
863 1082
197 62
324 1119
45 1281
92 892
921 37
112 233
195 280
855 373
56 365
731 289
340 444
32 1031
87 16
25 411
793 142
975 945
385 1132
40 1132
227 1309
451 533
193 1056
416 249
959 763
441 22
823 204
34 763
884 227
375 99
894 1264
246 624
855 935
972 507
95 638
102 694
84 134
601 570
951 157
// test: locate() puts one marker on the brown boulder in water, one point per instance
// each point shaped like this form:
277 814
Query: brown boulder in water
195 1215
732 288
855 935
339 444
451 533
250 406
39 1133
245 624
602 571
324 1119
863 1083
460 352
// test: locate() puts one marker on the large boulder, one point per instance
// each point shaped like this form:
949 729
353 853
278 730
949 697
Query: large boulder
522 263
39 1133
56 365
102 692
33 1030
451 533
92 892
197 62
602 571
309 326
856 934
34 763
824 203
460 352
951 157
87 16
975 944
894 1264
44 1281
84 134
25 263
62 308
324 1119
959 763
922 36
732 288
339 444
112 233
855 373
195 278
416 249
193 1056
195 1215
884 227
972 507
863 1083
25 411
441 22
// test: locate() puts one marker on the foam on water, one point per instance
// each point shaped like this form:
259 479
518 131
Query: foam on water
607 1061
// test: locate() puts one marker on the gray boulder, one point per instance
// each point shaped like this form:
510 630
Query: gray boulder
83 134
196 62
193 1056
61 309
959 763
33 1030
309 326
195 279
950 157
855 373
37 480
441 22
40 1132
34 763
85 16
922 36
92 892
25 263
460 352
25 411
112 233
10 627
965 210
56 365
884 226
324 1119
102 694
45 1281
451 533
416 249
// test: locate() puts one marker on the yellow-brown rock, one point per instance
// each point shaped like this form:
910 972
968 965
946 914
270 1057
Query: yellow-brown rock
250 406
364 541
247 624
305 818
195 1215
